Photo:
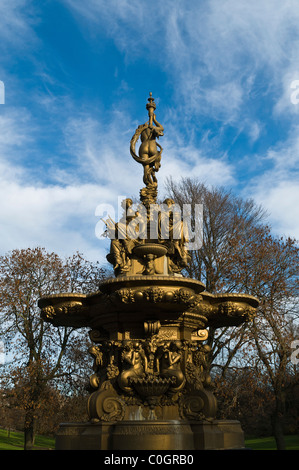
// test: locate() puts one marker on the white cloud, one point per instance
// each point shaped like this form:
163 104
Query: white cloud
281 198
61 216
14 128
215 53
102 153
17 20
185 161
277 188
61 219
288 103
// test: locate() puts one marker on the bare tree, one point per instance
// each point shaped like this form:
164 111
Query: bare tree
240 254
38 351
225 216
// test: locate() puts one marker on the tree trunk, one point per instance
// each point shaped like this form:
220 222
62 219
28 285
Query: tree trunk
29 430
277 424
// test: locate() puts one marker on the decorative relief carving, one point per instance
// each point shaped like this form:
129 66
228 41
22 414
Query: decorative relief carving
48 313
145 429
153 294
191 407
234 309
157 294
126 295
113 409
167 334
71 308
106 405
98 335
197 366
152 371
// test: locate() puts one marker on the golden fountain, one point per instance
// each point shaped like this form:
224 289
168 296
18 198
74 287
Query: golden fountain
151 387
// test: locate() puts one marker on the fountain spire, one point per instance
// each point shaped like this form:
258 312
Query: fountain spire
149 153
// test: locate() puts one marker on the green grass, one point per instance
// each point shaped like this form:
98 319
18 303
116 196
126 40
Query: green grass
15 441
268 443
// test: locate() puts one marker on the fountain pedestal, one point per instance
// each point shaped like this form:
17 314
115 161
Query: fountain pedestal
149 435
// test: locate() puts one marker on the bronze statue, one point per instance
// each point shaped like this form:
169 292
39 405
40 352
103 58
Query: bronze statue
149 155
170 364
133 360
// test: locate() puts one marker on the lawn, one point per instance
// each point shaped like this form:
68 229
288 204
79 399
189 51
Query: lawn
15 441
268 443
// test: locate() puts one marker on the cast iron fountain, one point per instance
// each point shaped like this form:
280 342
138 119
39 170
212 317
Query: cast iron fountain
151 387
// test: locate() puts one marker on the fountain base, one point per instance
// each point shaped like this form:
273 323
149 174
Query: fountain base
151 435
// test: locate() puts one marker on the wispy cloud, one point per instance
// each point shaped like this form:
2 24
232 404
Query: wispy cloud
58 216
277 188
228 67
17 20
61 215
210 49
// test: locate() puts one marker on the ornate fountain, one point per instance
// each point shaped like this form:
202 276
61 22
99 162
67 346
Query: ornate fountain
150 387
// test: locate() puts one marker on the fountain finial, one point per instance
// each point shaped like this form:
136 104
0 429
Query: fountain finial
150 152
151 106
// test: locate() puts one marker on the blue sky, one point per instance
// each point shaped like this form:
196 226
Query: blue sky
77 77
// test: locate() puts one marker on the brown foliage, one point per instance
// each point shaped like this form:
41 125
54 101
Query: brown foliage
39 353
240 254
